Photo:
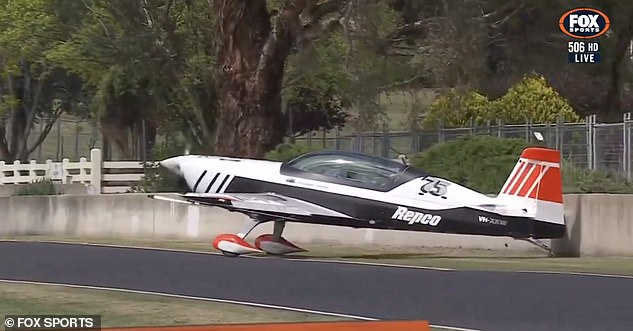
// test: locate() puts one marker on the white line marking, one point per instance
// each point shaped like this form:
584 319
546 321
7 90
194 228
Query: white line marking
372 264
236 302
177 250
245 303
114 246
573 273
452 328
290 258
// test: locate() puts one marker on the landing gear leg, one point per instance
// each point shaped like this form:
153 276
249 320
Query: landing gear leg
274 243
278 230
249 225
550 252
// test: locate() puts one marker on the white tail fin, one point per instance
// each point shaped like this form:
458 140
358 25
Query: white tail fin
536 185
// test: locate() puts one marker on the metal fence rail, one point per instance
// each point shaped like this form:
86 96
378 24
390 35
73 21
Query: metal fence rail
588 144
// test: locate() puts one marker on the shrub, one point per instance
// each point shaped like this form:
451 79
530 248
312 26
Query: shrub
530 99
41 186
582 180
457 109
483 163
158 179
533 99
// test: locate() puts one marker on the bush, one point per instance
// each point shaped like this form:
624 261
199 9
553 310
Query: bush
531 99
157 179
288 151
483 163
42 186
457 109
582 180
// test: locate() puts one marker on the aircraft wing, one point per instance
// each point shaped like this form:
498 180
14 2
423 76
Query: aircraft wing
265 204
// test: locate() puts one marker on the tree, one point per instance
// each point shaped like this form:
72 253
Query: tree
316 87
33 89
149 64
254 42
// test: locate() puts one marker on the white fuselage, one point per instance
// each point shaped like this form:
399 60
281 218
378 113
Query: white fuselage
221 171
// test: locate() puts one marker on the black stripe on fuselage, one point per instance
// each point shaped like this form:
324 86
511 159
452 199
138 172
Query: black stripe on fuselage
217 174
195 187
377 214
222 184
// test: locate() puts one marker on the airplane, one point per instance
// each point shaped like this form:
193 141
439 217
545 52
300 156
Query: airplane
349 189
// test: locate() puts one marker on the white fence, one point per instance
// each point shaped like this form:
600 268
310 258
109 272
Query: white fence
97 175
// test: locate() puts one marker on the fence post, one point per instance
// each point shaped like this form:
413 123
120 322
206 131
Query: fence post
588 142
96 168
626 157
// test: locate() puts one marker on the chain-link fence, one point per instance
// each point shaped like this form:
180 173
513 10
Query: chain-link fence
68 138
587 144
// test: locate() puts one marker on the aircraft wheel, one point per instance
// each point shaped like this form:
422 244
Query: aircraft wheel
233 245
229 254
271 246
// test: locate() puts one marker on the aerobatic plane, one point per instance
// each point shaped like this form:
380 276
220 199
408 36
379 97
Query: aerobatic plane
362 191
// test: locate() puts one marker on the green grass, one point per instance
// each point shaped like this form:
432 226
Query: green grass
119 309
464 259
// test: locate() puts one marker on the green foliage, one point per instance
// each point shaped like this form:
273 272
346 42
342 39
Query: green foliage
288 151
146 61
533 99
41 186
316 95
530 99
484 163
458 108
32 84
481 162
582 180
157 179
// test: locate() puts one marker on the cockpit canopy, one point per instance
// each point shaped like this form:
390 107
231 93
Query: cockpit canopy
353 169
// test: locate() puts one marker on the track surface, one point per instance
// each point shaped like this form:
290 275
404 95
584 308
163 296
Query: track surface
481 300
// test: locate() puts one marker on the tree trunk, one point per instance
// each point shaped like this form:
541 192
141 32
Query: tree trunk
251 56
613 111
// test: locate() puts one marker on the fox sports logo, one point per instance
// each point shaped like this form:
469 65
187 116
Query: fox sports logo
584 23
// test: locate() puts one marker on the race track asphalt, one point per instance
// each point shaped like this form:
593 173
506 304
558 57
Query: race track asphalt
494 301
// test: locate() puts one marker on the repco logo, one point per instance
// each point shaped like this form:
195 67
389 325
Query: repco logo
404 214
584 23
